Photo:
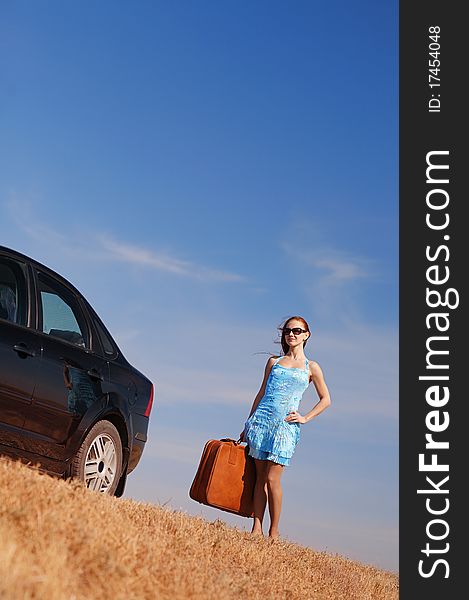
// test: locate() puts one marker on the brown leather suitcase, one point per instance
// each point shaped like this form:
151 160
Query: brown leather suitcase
225 478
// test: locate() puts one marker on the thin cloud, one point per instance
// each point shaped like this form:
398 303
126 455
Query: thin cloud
334 281
162 261
232 377
333 266
340 270
354 395
173 450
21 214
202 387
105 247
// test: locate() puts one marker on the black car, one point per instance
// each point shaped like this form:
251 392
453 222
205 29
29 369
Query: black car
69 400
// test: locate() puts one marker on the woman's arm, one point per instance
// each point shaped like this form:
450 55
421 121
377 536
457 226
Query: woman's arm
317 378
260 393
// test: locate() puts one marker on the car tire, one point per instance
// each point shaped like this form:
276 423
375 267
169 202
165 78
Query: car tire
98 462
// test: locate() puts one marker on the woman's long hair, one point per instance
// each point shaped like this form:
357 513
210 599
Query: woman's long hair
285 346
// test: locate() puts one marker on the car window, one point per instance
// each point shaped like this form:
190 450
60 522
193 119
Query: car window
12 291
104 339
61 314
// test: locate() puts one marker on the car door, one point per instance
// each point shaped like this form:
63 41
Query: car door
72 379
20 350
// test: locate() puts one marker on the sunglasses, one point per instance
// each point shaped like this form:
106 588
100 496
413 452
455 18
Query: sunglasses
295 330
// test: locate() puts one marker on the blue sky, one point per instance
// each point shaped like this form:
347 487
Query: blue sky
200 171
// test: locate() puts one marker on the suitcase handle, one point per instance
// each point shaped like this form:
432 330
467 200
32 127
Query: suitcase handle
237 442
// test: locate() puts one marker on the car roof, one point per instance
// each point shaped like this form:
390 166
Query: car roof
16 254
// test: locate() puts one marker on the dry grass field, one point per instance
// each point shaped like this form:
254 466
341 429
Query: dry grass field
60 541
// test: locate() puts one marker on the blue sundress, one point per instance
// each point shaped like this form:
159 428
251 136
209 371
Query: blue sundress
266 432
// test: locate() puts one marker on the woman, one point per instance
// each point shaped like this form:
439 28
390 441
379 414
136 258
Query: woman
273 426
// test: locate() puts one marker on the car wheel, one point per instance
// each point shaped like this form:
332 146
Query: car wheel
98 462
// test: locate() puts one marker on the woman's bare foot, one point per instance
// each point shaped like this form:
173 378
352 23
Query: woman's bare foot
256 531
274 535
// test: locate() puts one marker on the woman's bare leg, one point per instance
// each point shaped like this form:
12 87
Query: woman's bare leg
260 496
274 490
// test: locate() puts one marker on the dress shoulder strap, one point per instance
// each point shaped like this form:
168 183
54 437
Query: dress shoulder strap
277 359
306 364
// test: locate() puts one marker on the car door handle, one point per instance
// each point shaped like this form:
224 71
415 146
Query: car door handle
94 374
23 349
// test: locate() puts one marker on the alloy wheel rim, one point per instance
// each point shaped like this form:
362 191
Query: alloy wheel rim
101 464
